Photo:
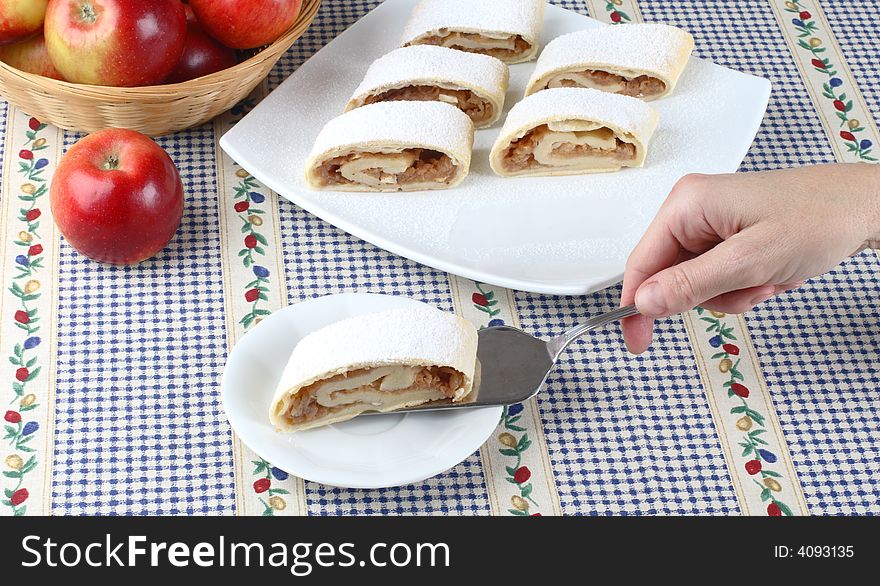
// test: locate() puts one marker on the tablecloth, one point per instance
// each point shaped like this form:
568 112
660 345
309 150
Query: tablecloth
111 384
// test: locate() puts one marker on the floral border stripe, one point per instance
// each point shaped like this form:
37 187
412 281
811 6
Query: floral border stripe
254 286
848 123
516 461
851 129
615 11
760 466
846 118
754 447
29 255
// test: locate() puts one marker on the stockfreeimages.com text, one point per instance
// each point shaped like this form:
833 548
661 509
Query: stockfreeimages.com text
300 558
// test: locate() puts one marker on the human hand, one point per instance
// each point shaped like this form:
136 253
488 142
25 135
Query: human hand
729 242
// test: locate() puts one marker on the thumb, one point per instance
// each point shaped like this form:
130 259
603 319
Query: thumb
729 266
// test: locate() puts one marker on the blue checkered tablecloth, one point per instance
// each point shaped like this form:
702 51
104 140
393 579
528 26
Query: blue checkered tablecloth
140 429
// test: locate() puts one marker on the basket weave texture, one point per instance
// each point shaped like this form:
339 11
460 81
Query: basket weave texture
152 110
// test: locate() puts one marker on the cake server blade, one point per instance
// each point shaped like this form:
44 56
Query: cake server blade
513 365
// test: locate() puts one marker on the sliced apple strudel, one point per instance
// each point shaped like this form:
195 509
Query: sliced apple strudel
639 60
569 131
475 84
376 362
393 146
506 29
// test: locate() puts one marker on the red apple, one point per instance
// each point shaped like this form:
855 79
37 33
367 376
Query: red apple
19 19
115 42
201 55
30 56
117 197
246 24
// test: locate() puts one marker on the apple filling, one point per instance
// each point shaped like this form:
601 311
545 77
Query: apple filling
407 169
379 388
504 47
568 146
642 86
477 108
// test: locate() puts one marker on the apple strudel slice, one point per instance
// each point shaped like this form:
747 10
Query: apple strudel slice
639 60
569 131
376 362
393 146
505 29
475 84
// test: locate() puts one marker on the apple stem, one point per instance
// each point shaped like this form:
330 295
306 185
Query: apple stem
87 12
111 163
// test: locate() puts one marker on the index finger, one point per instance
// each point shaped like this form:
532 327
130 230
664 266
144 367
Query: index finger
657 250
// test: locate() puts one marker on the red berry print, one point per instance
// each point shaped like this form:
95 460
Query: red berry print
731 349
615 16
250 241
242 206
522 474
19 496
262 485
35 250
740 390
839 105
21 374
847 135
12 417
753 467
479 299
22 317
804 15
33 215
34 124
818 63
252 295
536 515
773 510
26 154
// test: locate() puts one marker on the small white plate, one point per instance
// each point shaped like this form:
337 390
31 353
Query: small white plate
373 451
566 235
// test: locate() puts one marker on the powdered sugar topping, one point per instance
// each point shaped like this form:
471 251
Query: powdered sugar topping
411 337
428 64
511 17
630 115
432 125
646 47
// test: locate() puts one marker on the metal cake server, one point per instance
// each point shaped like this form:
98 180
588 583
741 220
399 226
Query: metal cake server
514 364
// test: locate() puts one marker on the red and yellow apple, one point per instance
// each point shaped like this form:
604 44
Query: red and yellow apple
115 42
19 19
117 197
201 55
30 56
246 24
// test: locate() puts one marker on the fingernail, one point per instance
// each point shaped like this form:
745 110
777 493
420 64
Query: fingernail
650 300
636 350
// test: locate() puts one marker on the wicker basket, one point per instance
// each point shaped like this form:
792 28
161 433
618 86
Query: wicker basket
153 110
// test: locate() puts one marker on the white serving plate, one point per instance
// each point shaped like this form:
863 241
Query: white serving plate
567 235
372 451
